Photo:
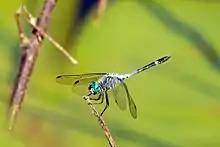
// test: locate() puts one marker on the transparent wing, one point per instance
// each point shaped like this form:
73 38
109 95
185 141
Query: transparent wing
132 106
80 83
71 79
120 95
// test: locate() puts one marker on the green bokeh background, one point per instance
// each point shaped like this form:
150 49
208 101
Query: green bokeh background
178 102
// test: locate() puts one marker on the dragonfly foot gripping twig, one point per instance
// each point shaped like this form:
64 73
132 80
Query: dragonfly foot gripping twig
101 122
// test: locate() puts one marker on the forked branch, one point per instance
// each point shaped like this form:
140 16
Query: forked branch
29 52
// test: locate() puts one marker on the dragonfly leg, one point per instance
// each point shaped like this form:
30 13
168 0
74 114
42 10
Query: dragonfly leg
101 96
107 103
96 99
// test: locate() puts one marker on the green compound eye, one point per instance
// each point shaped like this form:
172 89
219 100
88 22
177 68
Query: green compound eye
95 87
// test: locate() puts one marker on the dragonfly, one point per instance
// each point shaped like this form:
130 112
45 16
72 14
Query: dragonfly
98 86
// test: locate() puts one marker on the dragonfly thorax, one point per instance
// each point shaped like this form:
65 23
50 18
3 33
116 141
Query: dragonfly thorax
110 81
94 87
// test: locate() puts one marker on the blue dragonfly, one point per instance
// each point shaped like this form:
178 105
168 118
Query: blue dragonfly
98 86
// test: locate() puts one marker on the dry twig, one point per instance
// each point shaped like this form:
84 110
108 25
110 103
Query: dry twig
32 21
29 52
101 122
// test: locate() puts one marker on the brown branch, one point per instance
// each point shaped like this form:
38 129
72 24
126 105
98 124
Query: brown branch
101 122
30 48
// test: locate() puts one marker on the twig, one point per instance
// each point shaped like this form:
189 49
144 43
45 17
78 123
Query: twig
32 21
101 122
30 48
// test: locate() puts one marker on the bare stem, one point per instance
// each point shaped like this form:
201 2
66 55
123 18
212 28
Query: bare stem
30 48
101 122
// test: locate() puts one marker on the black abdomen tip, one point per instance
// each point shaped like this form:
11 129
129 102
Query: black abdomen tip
163 59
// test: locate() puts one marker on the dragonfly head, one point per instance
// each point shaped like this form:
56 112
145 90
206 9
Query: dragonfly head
94 87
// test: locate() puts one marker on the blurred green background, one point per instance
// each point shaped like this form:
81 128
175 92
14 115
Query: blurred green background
178 102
